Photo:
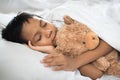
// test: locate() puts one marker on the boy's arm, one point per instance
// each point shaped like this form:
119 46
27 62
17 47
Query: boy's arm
63 63
90 70
92 55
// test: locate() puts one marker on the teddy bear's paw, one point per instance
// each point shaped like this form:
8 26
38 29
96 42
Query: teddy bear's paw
113 55
102 64
68 20
114 69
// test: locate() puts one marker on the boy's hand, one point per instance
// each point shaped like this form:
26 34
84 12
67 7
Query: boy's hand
60 62
46 49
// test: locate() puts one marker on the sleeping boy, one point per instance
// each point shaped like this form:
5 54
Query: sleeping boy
40 35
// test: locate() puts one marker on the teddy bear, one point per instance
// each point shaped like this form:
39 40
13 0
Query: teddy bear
74 38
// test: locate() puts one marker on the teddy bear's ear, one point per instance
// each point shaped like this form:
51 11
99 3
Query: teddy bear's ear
68 20
91 40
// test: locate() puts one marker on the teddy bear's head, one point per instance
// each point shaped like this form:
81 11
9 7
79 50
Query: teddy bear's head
74 38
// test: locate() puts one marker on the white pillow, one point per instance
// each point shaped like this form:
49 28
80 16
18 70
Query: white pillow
18 62
5 18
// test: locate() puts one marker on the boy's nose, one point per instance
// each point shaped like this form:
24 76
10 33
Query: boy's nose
48 33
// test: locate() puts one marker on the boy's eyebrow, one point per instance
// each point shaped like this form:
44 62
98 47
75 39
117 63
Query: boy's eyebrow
40 22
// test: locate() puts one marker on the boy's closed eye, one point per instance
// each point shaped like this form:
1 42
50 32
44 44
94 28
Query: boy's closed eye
38 37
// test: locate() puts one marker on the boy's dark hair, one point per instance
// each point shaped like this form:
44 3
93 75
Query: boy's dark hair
12 32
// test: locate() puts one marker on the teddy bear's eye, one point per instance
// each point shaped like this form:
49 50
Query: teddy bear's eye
83 42
93 38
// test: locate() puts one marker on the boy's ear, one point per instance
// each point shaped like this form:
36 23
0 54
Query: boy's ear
68 20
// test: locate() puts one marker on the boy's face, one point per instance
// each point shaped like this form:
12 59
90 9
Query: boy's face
39 32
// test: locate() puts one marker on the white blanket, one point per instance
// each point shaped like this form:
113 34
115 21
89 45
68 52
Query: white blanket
103 19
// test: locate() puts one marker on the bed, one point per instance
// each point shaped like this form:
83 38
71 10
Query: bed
18 62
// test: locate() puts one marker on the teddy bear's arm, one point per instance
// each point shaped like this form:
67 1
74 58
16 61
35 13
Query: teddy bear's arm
91 71
102 64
